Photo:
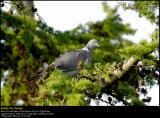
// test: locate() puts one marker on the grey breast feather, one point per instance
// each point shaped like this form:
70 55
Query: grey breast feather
69 60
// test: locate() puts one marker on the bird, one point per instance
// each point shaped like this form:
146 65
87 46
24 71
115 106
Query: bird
71 62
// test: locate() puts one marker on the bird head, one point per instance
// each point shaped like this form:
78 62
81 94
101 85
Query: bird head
92 44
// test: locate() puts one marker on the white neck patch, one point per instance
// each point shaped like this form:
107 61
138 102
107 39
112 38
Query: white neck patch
86 49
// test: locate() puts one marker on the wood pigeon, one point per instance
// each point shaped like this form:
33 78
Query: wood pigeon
72 62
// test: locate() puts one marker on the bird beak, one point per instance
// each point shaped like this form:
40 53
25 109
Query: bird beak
98 45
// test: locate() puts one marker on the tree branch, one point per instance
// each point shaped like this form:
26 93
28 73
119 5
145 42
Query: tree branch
125 67
104 101
120 99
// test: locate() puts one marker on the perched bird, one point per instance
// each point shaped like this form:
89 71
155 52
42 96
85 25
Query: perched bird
72 62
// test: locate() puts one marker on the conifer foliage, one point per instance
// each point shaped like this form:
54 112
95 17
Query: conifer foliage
121 69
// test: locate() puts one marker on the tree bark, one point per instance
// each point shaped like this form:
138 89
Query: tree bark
125 67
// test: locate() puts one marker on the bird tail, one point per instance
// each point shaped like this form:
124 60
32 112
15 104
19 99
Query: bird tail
43 74
35 77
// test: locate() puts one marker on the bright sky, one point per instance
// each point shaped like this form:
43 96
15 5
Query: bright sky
155 93
66 15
